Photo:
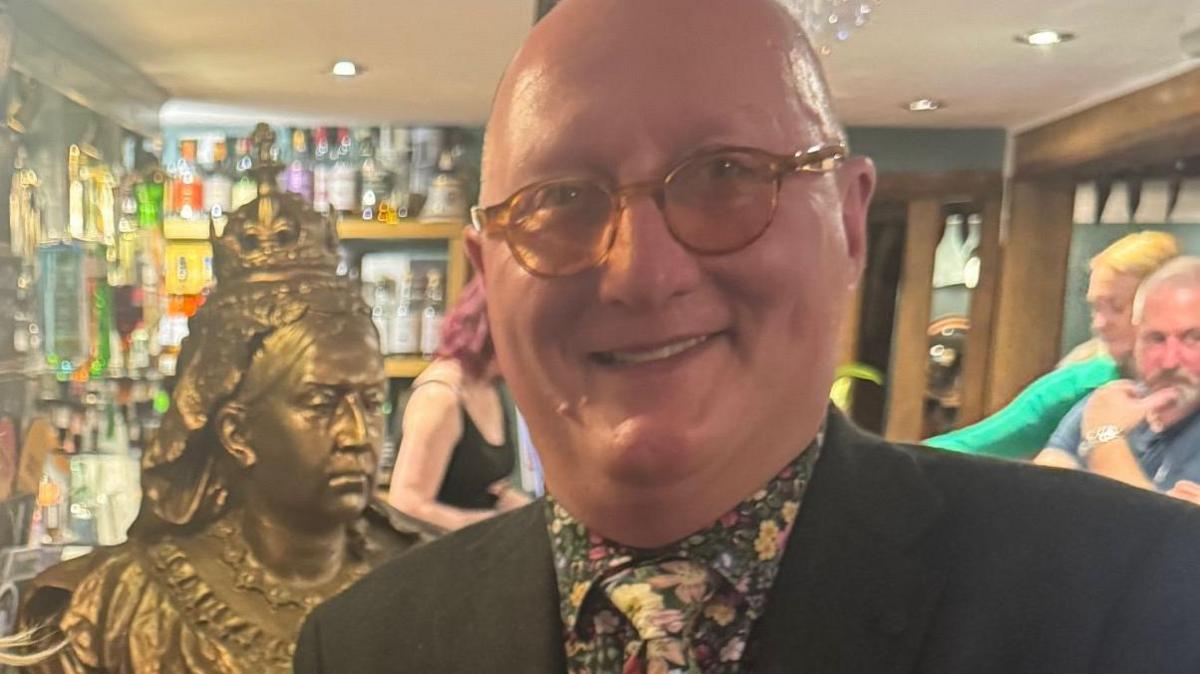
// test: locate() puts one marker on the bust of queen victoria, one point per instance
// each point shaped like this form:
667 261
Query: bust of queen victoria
258 489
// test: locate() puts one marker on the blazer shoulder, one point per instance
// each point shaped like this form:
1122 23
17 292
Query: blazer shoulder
1001 490
424 571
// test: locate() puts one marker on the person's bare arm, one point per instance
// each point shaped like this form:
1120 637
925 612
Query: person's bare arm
1054 457
1114 459
432 427
1121 405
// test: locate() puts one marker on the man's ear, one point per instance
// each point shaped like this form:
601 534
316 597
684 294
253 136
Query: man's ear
231 432
857 182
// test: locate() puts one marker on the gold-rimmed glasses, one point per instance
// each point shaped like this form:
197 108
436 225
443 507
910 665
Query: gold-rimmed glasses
716 201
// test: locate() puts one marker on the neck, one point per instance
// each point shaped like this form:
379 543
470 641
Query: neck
291 553
657 515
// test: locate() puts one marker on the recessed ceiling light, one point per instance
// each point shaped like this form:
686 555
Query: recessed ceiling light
346 69
923 105
1044 37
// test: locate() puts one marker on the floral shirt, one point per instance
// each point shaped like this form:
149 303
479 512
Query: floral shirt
743 547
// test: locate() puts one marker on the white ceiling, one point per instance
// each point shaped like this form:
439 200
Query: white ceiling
438 60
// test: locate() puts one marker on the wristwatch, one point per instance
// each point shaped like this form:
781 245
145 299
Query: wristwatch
1098 436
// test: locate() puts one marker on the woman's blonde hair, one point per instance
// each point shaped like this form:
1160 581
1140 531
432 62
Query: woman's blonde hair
1139 254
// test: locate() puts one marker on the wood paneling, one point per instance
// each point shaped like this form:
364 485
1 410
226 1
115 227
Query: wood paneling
947 185
1156 125
1028 320
850 324
910 346
975 370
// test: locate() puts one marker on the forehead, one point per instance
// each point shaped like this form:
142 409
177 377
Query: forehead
1107 282
582 96
1171 309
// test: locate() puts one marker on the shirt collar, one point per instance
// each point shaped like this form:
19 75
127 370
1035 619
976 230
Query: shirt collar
744 546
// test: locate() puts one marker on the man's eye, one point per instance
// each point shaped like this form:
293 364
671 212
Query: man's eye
558 196
727 167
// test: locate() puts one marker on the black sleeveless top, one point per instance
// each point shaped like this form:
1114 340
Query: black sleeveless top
476 464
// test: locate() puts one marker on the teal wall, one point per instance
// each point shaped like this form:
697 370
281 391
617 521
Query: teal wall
897 149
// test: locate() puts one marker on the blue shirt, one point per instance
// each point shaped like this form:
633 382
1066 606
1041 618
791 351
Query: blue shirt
1165 458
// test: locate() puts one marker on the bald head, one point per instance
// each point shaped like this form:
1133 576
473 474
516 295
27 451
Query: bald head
594 64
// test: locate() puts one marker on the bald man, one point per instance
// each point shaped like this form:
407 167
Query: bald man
670 227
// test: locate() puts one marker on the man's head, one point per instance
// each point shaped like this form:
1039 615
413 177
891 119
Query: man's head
1166 314
1116 274
660 376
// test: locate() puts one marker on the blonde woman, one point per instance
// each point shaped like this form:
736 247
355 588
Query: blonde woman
1020 430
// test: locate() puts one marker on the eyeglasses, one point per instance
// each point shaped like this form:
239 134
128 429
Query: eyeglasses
715 202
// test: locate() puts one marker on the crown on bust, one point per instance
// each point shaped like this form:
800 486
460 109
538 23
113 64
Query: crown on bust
277 236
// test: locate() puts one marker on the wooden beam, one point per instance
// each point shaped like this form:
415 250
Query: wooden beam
1028 321
910 346
1156 125
975 370
945 185
851 323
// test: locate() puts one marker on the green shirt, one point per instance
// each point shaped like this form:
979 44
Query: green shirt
1020 430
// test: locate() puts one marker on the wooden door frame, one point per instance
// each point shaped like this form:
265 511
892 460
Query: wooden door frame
925 194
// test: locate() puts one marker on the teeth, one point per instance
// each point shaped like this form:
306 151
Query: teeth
635 357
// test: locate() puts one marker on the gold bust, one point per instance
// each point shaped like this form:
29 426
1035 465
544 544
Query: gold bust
258 489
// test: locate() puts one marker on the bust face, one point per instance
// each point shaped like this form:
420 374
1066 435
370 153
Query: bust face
316 431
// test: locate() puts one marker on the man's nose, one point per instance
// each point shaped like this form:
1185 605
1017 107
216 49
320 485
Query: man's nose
647 266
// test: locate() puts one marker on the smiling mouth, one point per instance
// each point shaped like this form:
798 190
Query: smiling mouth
640 356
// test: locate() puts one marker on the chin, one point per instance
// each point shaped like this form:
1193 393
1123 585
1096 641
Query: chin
648 452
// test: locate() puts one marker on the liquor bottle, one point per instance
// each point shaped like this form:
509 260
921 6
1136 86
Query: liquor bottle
218 184
149 192
432 314
24 208
343 178
447 198
122 255
426 149
75 193
382 310
321 170
298 176
64 316
404 330
373 179
100 206
245 188
394 158
188 190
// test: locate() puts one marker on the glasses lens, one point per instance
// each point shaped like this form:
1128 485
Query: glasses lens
561 227
720 202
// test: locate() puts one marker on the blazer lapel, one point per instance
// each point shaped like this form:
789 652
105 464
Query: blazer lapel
860 576
513 623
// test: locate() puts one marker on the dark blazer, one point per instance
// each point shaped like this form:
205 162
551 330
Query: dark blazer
903 559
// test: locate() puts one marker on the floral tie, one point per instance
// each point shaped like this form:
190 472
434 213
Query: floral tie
662 600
